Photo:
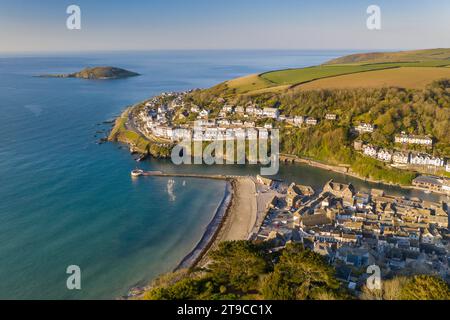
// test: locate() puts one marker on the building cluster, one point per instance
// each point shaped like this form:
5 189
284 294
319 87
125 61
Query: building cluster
233 122
404 138
364 128
354 229
432 183
402 158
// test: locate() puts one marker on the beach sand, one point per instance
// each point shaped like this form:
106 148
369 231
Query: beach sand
240 219
242 215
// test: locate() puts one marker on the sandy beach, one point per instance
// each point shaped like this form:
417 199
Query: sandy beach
242 214
245 213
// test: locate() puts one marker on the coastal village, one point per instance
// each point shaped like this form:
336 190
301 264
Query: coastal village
168 118
351 228
354 229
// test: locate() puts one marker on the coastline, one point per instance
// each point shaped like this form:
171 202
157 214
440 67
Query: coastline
210 234
235 219
345 171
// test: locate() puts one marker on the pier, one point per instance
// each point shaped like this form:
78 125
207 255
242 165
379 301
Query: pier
142 173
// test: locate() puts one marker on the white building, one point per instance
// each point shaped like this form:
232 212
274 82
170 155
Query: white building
400 158
163 132
330 116
426 160
370 151
298 120
223 122
384 155
250 110
271 112
311 121
239 109
204 113
411 139
364 127
447 167
227 108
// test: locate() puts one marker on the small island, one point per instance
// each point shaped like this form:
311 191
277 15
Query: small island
96 73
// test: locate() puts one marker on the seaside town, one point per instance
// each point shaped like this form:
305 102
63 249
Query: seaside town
351 228
169 118
354 229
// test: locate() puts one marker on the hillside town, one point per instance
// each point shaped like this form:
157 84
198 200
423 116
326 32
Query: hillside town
354 229
170 118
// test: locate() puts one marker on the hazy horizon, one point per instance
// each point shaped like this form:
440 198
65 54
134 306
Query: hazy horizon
33 27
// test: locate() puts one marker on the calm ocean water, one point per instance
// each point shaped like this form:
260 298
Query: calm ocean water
66 200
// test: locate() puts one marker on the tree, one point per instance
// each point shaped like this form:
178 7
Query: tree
425 287
418 287
301 274
237 263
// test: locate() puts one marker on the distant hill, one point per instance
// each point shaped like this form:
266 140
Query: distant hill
400 56
407 69
97 73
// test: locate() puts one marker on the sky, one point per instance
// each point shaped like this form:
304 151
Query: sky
35 26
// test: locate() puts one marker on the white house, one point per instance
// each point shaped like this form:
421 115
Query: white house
365 127
426 160
311 121
412 139
165 132
298 120
250 110
227 108
271 112
239 109
204 113
223 122
370 151
384 155
195 109
400 158
447 167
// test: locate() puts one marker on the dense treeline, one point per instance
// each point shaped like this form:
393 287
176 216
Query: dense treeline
245 270
392 110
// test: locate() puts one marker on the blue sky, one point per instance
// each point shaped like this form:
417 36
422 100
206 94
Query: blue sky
212 24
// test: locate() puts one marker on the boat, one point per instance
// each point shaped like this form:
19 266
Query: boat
137 172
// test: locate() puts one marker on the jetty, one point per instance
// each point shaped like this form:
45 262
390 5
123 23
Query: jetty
142 173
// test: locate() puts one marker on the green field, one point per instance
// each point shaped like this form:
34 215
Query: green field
296 76
275 81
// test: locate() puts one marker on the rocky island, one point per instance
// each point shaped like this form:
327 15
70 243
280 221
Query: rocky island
96 73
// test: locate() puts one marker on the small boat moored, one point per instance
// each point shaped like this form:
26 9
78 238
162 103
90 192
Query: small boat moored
137 172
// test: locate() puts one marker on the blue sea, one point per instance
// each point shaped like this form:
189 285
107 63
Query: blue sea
66 200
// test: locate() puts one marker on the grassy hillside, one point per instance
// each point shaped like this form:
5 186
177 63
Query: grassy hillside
360 65
400 56
295 76
413 78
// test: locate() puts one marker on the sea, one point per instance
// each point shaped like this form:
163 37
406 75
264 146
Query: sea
66 200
